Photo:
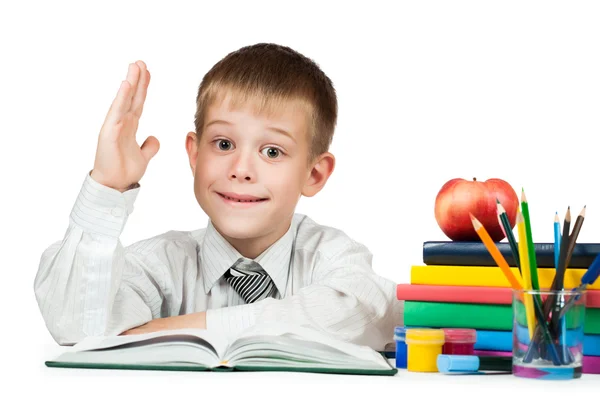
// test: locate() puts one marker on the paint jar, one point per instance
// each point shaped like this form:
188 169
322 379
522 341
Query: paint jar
399 337
423 348
459 341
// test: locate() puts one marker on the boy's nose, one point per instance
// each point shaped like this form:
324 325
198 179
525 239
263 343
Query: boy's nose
242 169
246 177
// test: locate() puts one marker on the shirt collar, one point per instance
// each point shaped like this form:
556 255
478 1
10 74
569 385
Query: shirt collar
218 255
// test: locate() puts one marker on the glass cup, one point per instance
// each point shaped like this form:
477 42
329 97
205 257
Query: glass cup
548 333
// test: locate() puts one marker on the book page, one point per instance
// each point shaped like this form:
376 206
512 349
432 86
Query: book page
217 341
162 347
286 344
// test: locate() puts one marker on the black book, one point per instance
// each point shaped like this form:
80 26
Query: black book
476 254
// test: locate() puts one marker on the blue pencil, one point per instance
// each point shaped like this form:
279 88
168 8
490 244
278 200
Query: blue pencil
556 239
566 357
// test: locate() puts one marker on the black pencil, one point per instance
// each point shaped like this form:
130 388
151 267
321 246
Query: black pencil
503 218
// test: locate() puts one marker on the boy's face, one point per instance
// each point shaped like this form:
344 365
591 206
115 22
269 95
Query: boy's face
250 171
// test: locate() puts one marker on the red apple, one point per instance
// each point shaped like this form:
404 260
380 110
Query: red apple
459 197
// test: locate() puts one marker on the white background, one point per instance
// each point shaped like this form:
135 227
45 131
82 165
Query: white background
428 91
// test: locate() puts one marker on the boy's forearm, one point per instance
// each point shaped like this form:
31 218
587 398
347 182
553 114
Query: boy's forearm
78 276
192 321
355 307
72 295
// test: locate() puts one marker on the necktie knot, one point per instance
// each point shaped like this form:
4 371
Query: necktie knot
250 280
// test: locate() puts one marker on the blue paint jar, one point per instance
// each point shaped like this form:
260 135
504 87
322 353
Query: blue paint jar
400 339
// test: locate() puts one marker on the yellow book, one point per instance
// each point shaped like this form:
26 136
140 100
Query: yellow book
460 275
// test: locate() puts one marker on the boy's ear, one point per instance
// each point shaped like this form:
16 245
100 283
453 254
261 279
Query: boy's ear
319 173
191 146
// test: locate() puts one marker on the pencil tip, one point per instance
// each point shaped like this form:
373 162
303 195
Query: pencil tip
475 222
497 201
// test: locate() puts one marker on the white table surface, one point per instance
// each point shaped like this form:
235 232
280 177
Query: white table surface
29 375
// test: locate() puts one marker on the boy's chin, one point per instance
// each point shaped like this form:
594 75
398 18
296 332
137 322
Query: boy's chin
241 228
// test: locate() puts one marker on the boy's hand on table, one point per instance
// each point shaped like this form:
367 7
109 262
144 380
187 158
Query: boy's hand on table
195 320
120 162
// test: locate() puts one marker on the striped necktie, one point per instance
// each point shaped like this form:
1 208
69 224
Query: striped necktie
250 280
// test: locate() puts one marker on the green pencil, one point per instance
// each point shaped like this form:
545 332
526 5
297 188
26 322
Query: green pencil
535 285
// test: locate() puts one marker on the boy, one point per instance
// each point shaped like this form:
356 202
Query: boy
264 122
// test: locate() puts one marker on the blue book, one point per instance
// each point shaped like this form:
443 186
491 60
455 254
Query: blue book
502 341
476 254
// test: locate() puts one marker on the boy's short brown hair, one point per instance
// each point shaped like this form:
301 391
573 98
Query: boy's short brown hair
270 75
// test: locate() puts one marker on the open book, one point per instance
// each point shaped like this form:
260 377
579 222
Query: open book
272 347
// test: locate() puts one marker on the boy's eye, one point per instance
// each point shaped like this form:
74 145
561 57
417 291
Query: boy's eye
224 144
271 152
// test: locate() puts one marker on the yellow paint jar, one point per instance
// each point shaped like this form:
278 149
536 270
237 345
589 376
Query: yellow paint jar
423 347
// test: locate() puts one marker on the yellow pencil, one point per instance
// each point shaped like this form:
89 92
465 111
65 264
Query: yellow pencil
495 253
524 260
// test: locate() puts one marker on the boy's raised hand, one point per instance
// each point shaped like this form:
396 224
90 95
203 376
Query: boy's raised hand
120 162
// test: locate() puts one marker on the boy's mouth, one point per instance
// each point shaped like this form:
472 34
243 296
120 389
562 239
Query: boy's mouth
241 198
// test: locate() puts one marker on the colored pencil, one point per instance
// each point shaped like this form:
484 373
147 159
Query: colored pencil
531 251
564 264
573 239
558 281
530 316
532 257
557 242
551 299
507 229
557 239
495 253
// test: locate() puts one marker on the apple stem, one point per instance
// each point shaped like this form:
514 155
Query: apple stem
474 179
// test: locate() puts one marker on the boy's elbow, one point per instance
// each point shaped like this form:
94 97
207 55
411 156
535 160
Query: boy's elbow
64 340
62 336
68 332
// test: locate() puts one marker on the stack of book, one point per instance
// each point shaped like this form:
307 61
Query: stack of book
460 286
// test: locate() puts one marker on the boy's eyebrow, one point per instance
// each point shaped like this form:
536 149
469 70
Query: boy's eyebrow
281 131
217 121
272 128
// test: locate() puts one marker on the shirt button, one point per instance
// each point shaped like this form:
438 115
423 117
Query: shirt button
117 212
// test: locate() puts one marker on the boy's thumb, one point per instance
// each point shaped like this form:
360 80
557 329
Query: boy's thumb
150 147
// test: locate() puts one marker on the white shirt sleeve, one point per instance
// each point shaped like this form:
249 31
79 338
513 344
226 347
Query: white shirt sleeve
82 279
346 299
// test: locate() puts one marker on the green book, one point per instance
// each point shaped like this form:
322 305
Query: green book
268 347
478 316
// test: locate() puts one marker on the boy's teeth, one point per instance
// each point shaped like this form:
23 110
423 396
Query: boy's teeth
241 201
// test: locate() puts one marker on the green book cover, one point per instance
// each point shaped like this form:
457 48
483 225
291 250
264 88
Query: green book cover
199 368
477 316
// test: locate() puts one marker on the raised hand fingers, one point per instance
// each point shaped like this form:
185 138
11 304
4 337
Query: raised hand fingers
117 108
123 100
133 77
142 88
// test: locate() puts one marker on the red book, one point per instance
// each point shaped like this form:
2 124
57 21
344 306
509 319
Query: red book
469 294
